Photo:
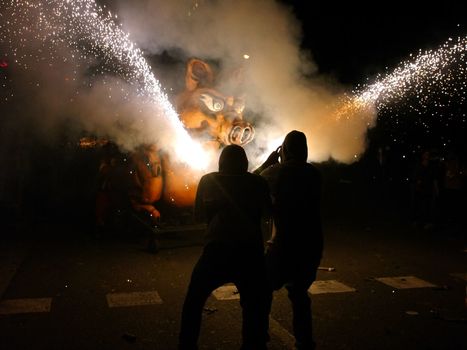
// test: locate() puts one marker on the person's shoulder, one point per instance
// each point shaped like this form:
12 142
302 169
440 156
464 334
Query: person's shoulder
256 179
209 176
313 169
272 169
312 166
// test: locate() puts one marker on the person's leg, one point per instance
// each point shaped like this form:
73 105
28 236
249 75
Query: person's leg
255 299
203 281
301 310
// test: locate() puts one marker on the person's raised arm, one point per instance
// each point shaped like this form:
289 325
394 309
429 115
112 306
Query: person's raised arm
272 159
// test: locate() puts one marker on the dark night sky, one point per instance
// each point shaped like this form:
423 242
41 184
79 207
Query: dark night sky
354 40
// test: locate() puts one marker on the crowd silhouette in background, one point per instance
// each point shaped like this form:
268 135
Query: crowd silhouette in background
438 191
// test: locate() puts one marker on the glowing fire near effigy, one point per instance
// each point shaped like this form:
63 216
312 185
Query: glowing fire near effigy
87 28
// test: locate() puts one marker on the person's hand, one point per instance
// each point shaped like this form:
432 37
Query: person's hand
273 158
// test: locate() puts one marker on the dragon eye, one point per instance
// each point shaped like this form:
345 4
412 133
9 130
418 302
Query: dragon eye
212 103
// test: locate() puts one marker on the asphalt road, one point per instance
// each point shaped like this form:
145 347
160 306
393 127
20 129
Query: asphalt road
65 289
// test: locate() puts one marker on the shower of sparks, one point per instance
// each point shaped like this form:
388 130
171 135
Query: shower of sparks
440 72
91 31
429 71
430 79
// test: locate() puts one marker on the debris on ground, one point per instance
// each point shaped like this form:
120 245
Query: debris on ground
330 269
130 338
209 310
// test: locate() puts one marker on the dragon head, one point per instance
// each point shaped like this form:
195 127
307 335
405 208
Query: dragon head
207 113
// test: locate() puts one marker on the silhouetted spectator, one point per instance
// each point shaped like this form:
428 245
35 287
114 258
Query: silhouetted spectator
111 189
232 202
424 192
452 190
295 249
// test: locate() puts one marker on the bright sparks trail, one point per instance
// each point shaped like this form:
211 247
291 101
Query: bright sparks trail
86 28
433 72
428 71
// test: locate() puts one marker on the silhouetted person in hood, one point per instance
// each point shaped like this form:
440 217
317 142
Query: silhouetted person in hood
232 202
295 249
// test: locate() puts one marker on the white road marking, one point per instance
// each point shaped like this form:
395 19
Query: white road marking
405 282
329 286
226 292
286 339
11 256
461 275
133 299
23 306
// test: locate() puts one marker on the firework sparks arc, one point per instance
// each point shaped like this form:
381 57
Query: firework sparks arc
79 23
429 70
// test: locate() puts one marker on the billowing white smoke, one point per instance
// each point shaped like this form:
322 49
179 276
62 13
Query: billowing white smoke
281 82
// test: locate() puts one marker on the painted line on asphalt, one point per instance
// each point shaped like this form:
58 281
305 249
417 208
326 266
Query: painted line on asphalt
461 275
133 299
24 306
286 339
12 255
405 282
329 286
226 292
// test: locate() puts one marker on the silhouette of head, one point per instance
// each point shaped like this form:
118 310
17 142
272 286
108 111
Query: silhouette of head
294 147
233 160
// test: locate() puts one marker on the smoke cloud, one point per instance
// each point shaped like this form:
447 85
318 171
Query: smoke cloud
282 86
281 82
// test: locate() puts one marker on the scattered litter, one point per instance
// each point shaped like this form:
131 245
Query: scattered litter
130 338
444 287
330 269
209 310
411 312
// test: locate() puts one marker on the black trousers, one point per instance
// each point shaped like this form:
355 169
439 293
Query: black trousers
219 265
296 272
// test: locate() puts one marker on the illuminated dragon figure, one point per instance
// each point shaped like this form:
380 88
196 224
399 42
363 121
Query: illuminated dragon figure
212 118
